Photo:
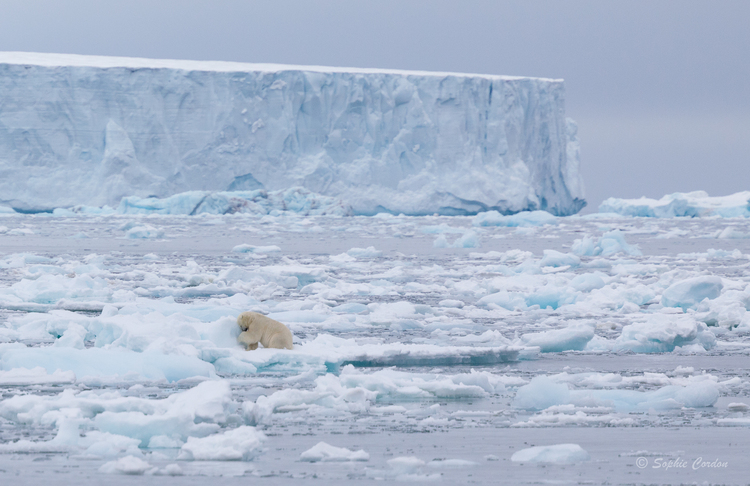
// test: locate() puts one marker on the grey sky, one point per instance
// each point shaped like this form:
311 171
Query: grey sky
660 89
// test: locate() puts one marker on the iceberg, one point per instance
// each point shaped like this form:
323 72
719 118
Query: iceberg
696 204
87 130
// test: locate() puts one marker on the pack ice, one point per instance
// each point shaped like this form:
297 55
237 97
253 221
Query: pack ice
85 130
411 360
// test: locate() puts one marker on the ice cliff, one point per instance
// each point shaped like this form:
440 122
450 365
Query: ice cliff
84 130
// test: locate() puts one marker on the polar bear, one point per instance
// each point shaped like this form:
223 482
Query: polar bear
257 328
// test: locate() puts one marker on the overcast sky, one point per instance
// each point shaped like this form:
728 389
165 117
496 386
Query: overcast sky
660 89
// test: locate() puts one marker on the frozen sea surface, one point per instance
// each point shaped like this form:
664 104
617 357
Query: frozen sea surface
591 350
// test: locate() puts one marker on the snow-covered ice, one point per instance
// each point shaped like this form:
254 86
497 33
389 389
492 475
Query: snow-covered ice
559 453
118 355
326 453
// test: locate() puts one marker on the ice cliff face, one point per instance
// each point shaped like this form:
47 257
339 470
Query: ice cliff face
91 130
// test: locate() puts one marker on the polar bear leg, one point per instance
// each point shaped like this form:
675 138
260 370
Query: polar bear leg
249 339
280 340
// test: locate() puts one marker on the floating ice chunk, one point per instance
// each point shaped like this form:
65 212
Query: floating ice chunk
510 256
470 239
405 464
7 210
100 444
487 338
130 465
738 407
588 282
341 259
322 452
164 442
244 248
505 299
240 444
609 244
194 412
354 391
35 376
397 354
524 218
394 383
731 232
688 293
734 422
553 258
328 392
557 454
49 288
729 310
451 303
351 308
72 337
692 204
20 232
572 338
551 296
487 381
683 371
97 362
544 392
123 423
172 470
441 242
661 333
369 252
234 366
93 444
450 463
145 231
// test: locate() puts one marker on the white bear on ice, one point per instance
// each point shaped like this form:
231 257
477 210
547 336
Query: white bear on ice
257 328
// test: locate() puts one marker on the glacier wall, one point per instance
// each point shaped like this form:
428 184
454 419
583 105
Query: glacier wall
90 130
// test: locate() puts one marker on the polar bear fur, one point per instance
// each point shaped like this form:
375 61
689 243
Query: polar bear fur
257 328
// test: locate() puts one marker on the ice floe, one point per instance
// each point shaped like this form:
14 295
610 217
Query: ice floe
681 204
322 452
556 454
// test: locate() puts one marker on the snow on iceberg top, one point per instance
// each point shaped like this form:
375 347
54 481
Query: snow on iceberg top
680 204
78 60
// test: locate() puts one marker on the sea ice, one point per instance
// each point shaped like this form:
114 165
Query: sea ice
690 292
608 244
130 465
691 204
557 454
242 443
322 452
543 392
